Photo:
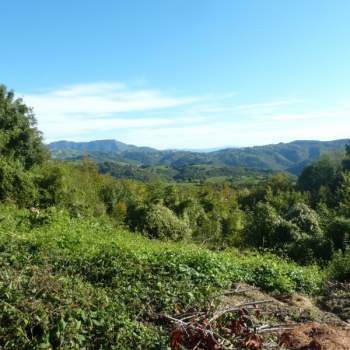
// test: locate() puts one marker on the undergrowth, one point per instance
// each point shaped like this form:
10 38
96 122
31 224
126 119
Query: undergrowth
73 283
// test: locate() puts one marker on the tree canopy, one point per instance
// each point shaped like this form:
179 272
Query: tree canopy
20 140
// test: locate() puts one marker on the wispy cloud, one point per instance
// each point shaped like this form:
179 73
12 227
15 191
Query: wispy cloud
146 116
73 111
101 99
252 109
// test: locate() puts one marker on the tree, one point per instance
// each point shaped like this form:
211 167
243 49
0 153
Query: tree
232 227
320 179
280 182
305 218
347 149
16 185
346 161
262 222
50 183
310 242
343 195
20 140
162 223
339 232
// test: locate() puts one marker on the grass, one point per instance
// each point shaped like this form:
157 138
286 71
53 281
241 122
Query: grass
70 283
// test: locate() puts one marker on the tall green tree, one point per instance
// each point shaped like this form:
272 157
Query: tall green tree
347 148
346 161
320 179
20 140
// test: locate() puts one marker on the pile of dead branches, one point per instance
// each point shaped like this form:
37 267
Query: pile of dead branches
228 328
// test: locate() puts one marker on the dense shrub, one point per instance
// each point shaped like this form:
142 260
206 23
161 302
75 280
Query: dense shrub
305 218
322 176
50 183
339 268
78 282
16 184
162 223
339 232
261 224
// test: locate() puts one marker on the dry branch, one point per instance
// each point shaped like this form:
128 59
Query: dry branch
250 305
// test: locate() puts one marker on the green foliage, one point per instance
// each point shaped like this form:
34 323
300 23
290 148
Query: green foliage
194 166
320 179
347 149
20 140
278 275
73 277
346 161
261 224
339 267
305 218
343 195
50 182
21 148
78 282
160 222
16 184
298 233
129 171
339 232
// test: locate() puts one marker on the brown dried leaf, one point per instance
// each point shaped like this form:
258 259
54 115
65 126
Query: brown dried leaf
254 342
176 338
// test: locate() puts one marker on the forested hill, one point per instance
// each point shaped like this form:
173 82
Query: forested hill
290 157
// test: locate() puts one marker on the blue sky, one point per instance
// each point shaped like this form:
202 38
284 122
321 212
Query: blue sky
181 73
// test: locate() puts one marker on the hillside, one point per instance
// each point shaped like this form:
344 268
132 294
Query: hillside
86 284
89 261
291 157
82 283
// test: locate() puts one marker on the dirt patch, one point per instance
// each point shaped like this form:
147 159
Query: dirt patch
296 308
316 336
311 327
300 301
247 318
337 300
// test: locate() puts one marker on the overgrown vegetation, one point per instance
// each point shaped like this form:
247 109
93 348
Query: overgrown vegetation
88 260
79 282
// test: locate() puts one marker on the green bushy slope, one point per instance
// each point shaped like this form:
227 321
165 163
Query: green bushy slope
73 283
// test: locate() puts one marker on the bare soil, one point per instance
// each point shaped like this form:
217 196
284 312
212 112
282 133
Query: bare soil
313 323
316 336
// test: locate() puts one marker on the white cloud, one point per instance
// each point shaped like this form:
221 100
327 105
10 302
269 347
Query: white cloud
73 111
100 99
149 117
238 134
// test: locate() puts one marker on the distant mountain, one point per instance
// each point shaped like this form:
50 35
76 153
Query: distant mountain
95 146
290 157
203 150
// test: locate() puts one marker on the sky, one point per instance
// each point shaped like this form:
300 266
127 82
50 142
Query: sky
180 73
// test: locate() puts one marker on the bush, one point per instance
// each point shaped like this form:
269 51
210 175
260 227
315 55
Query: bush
80 283
320 179
339 267
16 184
49 180
262 221
339 232
305 218
162 223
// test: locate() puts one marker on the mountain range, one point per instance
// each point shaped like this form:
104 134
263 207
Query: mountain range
290 157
